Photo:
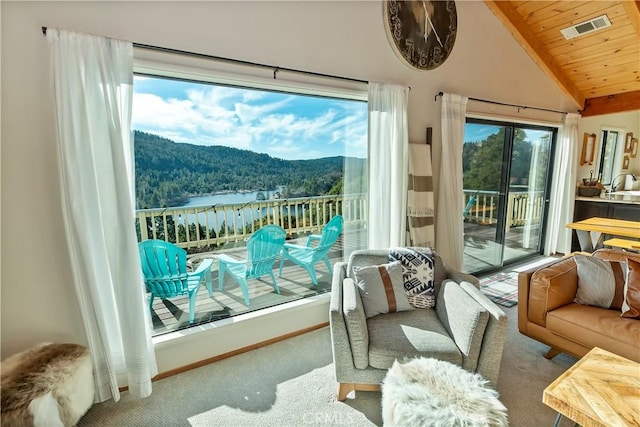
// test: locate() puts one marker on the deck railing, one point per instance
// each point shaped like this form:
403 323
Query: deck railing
522 206
205 226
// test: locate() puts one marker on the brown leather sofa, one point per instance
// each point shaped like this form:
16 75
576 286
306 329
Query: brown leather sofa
547 312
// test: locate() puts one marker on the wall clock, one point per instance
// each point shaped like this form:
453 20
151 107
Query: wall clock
422 33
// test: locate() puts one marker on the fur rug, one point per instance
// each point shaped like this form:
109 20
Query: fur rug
47 385
430 392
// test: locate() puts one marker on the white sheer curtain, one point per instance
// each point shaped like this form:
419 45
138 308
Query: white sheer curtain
93 80
449 226
531 224
558 239
388 163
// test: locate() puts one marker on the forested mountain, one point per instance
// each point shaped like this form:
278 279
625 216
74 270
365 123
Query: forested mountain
482 162
168 172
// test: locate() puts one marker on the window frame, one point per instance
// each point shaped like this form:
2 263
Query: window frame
243 77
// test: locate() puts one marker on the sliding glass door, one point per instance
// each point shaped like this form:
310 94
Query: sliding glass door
506 170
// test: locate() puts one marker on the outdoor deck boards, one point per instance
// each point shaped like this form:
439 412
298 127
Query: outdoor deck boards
295 283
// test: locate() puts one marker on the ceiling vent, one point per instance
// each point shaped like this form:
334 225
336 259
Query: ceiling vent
586 27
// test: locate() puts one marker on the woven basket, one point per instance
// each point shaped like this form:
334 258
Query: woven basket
588 191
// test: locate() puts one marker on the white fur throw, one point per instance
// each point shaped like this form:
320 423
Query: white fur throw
47 385
430 392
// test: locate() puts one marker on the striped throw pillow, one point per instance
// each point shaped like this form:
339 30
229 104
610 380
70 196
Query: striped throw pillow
600 282
381 289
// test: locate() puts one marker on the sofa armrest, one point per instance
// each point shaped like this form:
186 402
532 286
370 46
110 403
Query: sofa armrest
464 319
459 277
342 357
524 279
550 287
356 321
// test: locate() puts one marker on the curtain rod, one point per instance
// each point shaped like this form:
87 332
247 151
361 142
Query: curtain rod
525 107
275 68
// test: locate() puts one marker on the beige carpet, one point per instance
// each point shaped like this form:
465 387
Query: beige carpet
291 383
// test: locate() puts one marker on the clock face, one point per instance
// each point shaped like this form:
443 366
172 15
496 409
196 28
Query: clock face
422 33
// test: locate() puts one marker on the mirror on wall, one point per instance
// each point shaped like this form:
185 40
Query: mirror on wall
610 161
588 149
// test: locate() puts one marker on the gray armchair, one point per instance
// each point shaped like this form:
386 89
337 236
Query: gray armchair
465 328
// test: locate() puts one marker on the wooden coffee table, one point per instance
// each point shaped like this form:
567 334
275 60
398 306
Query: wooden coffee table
601 389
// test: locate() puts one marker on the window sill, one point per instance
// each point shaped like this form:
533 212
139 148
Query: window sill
182 348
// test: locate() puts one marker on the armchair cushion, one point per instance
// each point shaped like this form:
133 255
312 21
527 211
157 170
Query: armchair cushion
356 323
464 319
364 257
409 334
381 289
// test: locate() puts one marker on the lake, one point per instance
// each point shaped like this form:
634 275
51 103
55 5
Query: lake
225 198
206 202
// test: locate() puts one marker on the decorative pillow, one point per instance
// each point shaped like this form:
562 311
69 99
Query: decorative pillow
417 274
600 282
631 303
381 289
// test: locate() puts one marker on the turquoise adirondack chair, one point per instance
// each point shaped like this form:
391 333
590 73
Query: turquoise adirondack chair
307 256
467 209
263 247
164 267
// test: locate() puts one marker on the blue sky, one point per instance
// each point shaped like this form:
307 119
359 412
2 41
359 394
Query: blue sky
474 132
282 125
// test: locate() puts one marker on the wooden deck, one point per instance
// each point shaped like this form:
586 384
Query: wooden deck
295 283
481 252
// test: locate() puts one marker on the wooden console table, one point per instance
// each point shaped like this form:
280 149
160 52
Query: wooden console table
602 389
591 231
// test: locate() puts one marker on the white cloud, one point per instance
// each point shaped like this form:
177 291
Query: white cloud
217 115
249 113
153 111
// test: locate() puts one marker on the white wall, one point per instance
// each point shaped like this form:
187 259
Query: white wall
343 38
626 122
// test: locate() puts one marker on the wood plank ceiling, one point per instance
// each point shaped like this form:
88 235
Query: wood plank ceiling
599 71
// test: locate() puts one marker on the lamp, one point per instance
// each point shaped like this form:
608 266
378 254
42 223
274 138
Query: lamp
612 187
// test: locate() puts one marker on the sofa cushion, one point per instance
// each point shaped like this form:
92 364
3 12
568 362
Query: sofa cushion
600 282
596 327
409 334
381 289
616 254
631 304
551 287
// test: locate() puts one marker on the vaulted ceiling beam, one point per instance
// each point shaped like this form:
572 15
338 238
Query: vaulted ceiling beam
627 101
518 27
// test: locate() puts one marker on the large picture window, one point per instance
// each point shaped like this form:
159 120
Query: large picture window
215 163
